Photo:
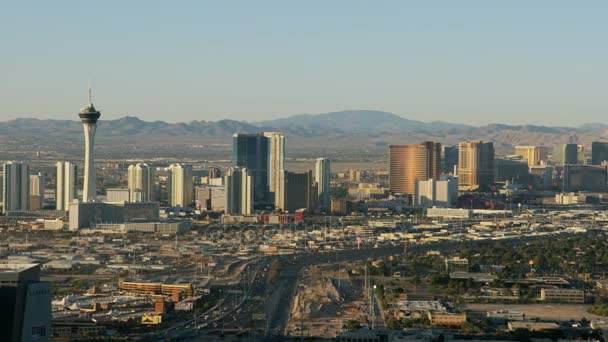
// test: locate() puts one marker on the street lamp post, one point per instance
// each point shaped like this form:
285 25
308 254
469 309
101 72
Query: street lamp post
221 312
374 307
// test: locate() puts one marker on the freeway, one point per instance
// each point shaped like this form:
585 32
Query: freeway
228 304
274 300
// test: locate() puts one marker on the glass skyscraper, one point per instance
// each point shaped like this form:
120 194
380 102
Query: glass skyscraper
252 151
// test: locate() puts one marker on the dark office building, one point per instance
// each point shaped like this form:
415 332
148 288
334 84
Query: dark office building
599 152
251 151
584 178
513 171
25 304
570 154
449 159
298 191
215 172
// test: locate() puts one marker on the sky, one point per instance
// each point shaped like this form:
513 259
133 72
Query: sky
473 62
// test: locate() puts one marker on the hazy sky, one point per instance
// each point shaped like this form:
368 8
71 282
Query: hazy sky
543 62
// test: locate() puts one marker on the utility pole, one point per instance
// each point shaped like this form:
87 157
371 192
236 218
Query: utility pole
365 278
221 312
194 311
176 238
301 322
339 269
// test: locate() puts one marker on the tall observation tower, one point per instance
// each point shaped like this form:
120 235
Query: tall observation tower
89 116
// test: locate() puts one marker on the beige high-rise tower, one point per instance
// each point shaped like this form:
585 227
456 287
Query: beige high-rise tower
411 163
37 183
534 155
141 183
322 174
475 165
239 191
66 191
179 185
276 162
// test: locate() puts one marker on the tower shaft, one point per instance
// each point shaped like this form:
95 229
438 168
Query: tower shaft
89 192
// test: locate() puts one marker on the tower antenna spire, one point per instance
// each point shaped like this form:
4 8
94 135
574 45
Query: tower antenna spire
90 94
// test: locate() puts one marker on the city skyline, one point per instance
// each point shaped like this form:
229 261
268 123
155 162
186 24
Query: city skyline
450 185
477 63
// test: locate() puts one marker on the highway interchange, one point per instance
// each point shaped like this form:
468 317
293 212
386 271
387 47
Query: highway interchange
259 306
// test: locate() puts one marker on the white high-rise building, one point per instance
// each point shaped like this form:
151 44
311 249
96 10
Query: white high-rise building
141 183
89 116
16 189
276 162
239 191
66 192
180 187
436 193
36 191
322 167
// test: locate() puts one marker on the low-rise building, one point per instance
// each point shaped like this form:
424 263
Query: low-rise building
366 191
558 295
162 227
505 315
446 319
570 198
171 287
76 329
418 308
235 219
456 264
477 277
90 214
449 213
531 326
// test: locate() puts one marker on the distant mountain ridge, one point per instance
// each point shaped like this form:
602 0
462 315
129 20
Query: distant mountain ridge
355 121
369 127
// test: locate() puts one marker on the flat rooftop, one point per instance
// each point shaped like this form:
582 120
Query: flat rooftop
15 267
19 272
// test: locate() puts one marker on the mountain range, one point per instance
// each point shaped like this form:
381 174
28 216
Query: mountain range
345 129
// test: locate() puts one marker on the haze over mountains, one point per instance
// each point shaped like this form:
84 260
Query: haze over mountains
345 128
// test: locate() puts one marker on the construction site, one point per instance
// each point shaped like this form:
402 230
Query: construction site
327 299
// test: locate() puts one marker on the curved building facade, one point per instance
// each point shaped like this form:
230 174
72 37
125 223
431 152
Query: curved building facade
411 163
